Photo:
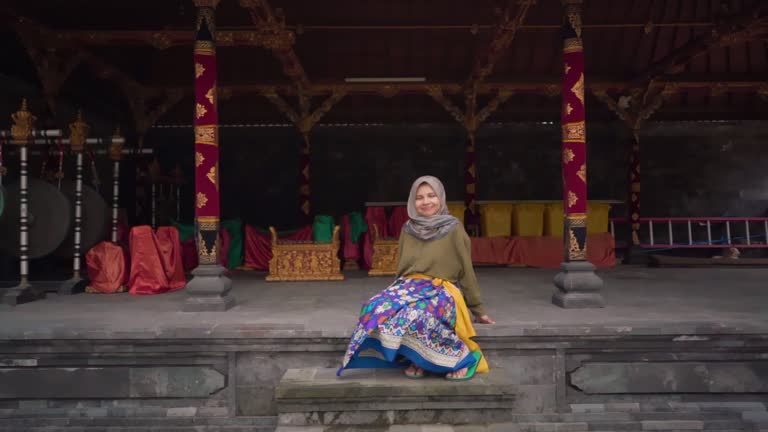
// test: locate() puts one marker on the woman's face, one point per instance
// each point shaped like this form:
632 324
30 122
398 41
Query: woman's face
427 202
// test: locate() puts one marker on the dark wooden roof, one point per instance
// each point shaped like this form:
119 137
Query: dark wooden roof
436 39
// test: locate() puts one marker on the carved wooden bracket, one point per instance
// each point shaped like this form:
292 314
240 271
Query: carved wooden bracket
281 105
436 92
470 119
763 91
54 66
636 107
503 35
276 37
304 120
47 50
493 105
148 106
309 122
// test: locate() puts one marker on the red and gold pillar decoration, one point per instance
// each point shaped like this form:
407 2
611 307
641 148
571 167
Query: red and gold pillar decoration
634 188
304 191
471 218
574 141
207 216
577 284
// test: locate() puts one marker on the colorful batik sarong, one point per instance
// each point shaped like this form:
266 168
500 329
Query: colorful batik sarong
414 320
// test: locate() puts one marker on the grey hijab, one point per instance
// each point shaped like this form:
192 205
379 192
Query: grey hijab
431 227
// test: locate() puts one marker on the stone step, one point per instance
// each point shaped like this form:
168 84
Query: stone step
316 396
138 424
316 400
224 428
501 427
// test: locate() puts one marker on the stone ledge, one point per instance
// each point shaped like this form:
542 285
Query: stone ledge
322 383
316 396
225 330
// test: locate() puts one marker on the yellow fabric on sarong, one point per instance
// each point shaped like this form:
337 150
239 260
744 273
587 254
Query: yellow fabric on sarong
464 328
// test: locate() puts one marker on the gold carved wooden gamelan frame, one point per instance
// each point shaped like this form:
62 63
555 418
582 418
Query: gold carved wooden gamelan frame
385 255
304 261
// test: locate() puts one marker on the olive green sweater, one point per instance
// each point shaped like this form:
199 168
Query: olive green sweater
448 258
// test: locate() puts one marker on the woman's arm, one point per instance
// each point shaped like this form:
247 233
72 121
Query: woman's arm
467 278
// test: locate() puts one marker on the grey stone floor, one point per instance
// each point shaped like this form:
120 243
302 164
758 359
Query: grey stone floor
639 301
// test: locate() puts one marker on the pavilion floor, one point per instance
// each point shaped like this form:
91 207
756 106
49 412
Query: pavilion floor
668 342
638 299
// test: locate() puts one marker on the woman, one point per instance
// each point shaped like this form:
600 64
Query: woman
422 319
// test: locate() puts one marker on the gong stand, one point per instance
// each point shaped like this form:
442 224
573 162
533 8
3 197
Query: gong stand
177 180
22 131
78 134
115 154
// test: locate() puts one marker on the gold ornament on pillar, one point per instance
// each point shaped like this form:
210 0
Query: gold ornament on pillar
23 123
212 175
568 156
202 200
573 12
78 133
582 173
116 147
206 10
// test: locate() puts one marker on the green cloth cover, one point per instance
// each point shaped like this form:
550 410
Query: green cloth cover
357 226
322 229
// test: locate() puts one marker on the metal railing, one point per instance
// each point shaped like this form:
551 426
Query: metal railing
660 233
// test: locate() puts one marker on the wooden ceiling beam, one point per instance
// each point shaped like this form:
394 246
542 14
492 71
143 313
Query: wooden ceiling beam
743 27
503 35
247 36
548 88
163 39
280 39
147 103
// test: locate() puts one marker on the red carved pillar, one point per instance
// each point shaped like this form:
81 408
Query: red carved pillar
304 191
209 289
634 188
471 216
577 284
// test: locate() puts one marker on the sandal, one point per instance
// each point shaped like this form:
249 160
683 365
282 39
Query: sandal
470 371
414 375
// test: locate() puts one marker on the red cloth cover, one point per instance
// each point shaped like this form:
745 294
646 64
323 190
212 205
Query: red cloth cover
106 267
189 254
350 249
396 221
377 216
544 252
258 245
153 261
170 253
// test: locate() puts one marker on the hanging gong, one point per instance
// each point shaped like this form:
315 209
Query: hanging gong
50 219
95 224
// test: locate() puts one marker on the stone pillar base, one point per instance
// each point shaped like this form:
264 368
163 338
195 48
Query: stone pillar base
22 293
72 286
635 255
209 290
578 286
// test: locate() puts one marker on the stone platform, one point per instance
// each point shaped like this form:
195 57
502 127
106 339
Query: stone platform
695 339
315 400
